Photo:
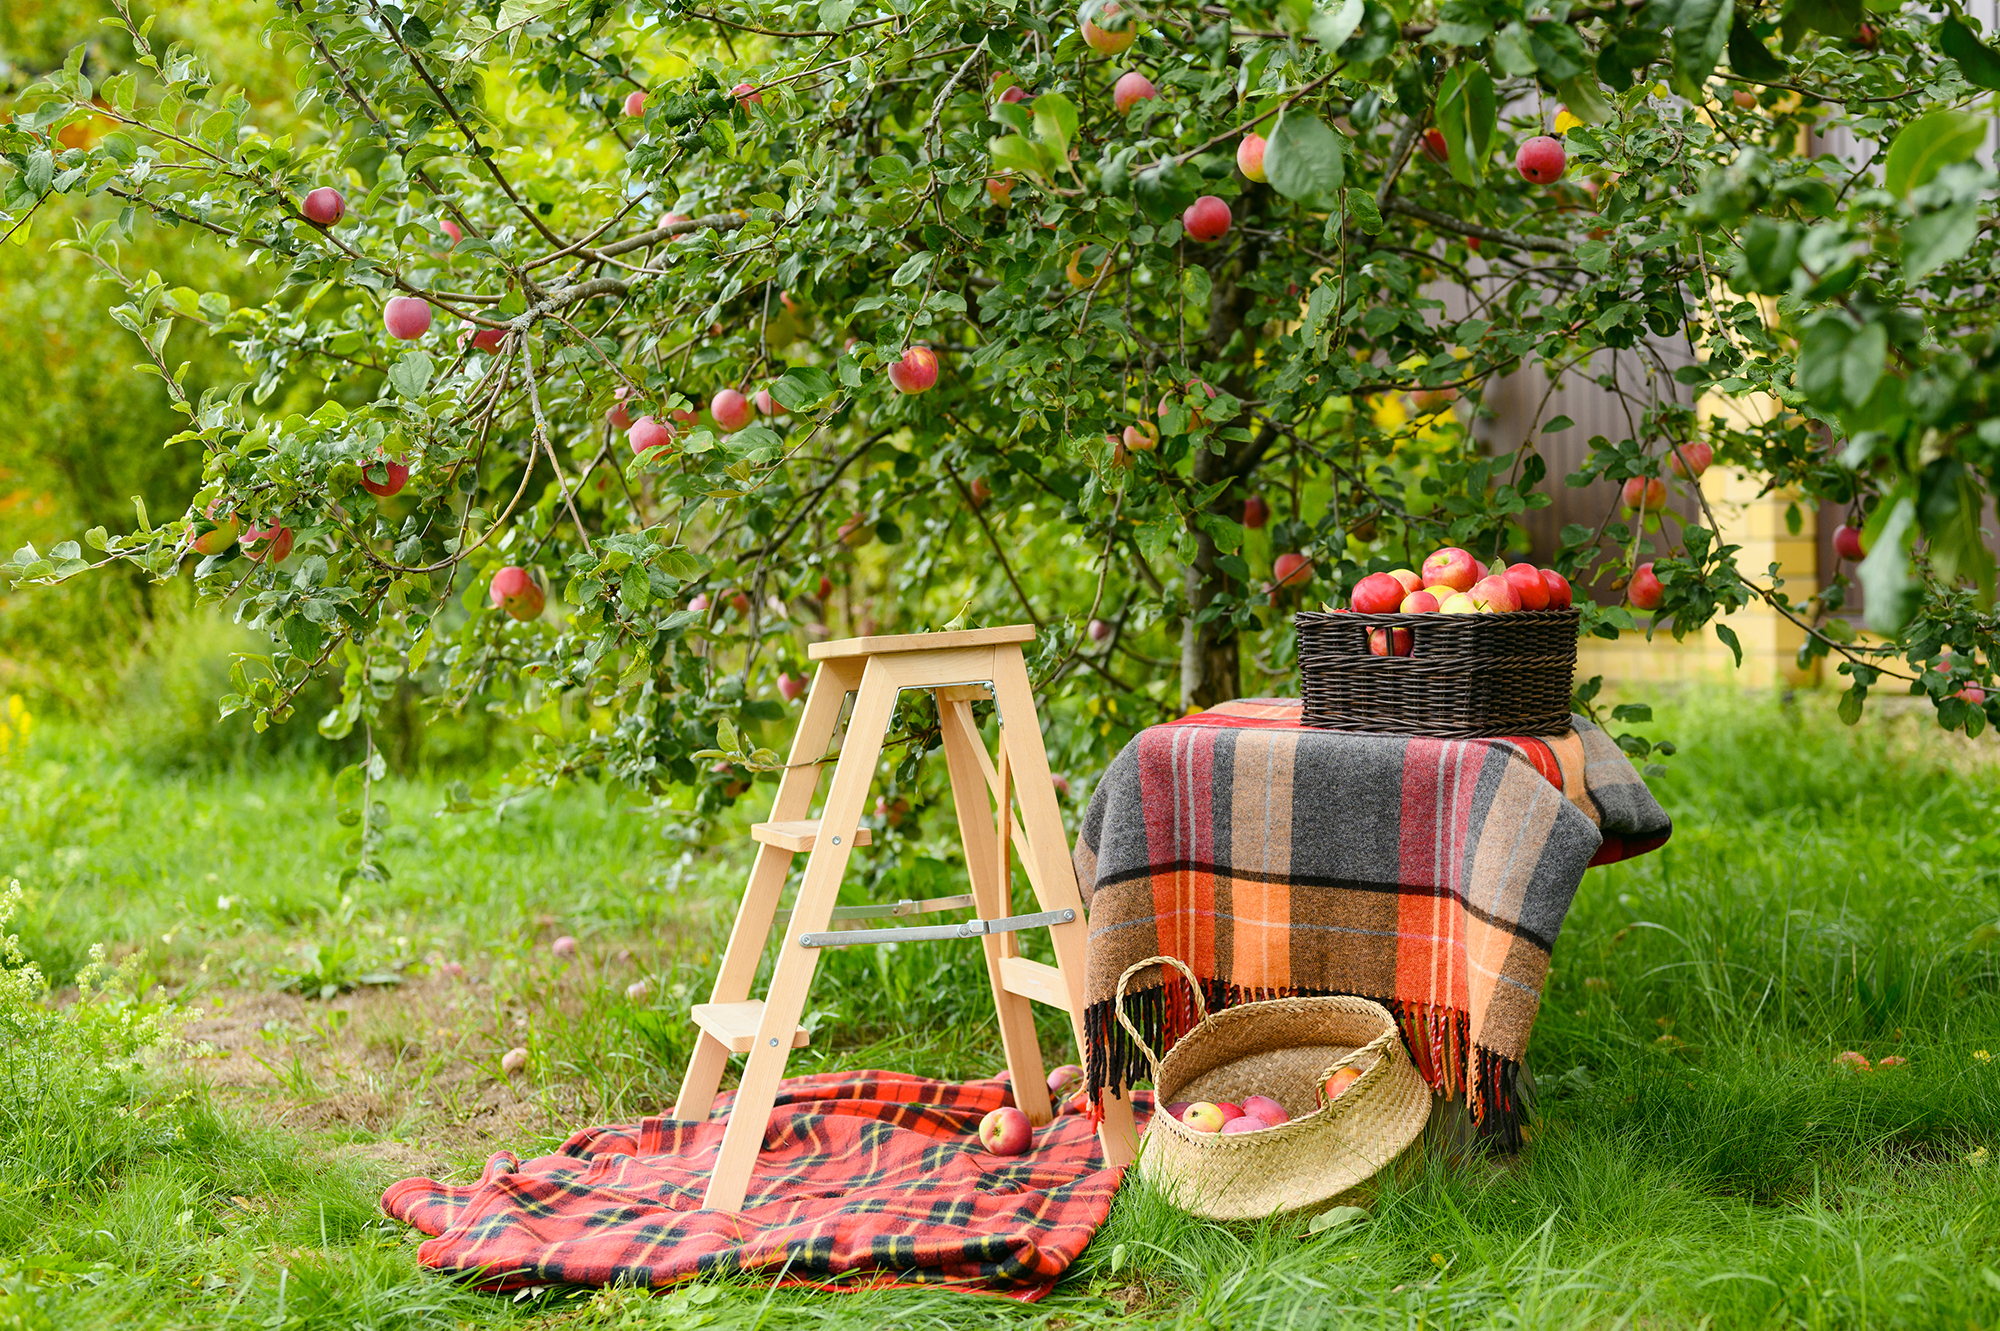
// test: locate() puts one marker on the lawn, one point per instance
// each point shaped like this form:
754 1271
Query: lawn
1698 1156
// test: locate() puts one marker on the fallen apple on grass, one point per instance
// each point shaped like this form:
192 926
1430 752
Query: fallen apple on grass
513 1061
1005 1131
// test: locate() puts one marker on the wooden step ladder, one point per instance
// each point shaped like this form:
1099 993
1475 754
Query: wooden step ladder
957 667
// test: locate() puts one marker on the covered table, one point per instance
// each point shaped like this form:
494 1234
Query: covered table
1277 859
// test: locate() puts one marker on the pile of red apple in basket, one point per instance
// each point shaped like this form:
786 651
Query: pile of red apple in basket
1453 583
1006 1130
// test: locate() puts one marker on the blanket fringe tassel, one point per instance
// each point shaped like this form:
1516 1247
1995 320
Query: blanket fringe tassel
1438 1040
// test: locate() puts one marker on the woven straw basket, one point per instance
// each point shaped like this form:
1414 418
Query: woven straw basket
1283 1048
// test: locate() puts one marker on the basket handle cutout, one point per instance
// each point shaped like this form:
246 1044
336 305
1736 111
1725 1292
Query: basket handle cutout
1194 986
1384 1047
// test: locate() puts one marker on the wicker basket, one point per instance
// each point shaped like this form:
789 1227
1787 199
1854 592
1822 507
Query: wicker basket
1466 677
1284 1048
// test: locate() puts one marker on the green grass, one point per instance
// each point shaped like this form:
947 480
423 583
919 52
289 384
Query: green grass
1697 1158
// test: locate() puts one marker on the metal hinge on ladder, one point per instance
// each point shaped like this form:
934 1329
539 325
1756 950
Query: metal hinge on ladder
939 932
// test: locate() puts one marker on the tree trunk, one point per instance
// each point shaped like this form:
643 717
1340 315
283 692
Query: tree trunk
1209 665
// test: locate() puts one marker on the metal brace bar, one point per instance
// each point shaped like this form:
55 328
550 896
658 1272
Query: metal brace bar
906 906
938 933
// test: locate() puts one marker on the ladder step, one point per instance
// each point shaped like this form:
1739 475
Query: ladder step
1034 979
798 835
734 1025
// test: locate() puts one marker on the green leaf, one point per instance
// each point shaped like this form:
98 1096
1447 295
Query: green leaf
1510 51
801 388
1014 153
1361 207
1305 160
1055 122
1332 28
1196 285
411 374
913 268
1701 30
1465 116
1821 353
1584 97
1336 1217
1862 361
1935 239
1976 61
1749 57
1930 143
1729 640
1850 703
1889 590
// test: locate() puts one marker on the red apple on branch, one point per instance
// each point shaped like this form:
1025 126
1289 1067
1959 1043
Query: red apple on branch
516 593
219 537
394 477
1647 492
1847 542
323 206
1250 157
1107 29
1644 591
1541 160
747 95
1291 570
1131 89
915 371
1256 512
648 434
483 339
1435 146
268 545
855 532
730 409
791 687
1206 219
1690 460
635 103
407 317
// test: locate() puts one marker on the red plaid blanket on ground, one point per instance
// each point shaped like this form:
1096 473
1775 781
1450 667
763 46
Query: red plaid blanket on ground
873 1174
1276 859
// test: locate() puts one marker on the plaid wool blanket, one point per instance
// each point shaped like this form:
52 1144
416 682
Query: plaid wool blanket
1276 859
873 1176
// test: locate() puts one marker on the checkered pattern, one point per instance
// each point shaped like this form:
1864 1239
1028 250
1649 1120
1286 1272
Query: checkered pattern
870 1178
1277 859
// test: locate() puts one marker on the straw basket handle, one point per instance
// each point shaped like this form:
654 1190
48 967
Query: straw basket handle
1194 985
1384 1047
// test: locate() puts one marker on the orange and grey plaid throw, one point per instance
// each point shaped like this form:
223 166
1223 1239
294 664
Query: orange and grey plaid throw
1276 859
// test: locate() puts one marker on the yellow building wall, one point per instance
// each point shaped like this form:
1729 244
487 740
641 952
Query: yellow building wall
1770 641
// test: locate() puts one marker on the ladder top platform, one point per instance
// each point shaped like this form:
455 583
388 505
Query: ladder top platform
920 642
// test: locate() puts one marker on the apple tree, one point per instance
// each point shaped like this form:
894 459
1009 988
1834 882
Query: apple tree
606 350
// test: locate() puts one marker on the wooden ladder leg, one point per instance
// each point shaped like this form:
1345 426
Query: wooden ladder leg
791 979
1051 871
773 865
985 865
